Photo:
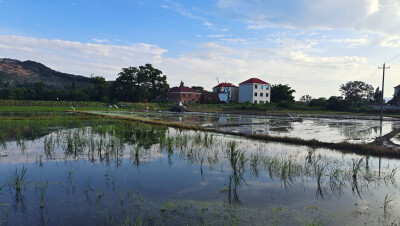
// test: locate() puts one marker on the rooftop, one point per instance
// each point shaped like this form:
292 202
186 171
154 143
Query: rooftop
254 80
183 89
225 84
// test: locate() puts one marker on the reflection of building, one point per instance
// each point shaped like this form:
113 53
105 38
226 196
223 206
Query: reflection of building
184 94
227 92
255 91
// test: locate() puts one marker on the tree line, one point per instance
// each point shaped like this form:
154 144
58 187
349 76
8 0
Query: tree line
355 96
134 84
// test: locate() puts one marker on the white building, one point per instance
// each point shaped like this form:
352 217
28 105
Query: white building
227 92
255 91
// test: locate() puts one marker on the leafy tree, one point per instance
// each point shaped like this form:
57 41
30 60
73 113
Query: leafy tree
140 84
357 92
320 102
396 99
335 103
282 92
378 96
153 80
100 89
306 98
126 86
198 88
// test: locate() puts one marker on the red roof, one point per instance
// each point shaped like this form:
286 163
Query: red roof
182 89
225 84
254 80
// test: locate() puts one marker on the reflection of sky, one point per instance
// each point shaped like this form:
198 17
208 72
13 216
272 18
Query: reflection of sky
327 130
159 179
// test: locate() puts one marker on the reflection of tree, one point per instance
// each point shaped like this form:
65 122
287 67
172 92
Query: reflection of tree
352 129
284 126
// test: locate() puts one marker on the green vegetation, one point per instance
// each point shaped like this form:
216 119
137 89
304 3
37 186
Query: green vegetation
30 80
104 142
18 180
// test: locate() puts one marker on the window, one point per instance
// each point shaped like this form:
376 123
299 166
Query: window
190 95
261 102
255 86
266 87
255 101
261 87
261 94
255 94
266 94
183 95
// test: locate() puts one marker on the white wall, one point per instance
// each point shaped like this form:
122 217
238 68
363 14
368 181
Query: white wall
264 91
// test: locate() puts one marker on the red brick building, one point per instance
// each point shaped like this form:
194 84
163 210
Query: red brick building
184 94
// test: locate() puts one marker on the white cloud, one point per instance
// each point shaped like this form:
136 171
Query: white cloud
101 40
368 15
179 8
373 6
80 58
291 62
208 24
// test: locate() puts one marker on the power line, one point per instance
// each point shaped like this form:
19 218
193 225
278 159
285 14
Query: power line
383 85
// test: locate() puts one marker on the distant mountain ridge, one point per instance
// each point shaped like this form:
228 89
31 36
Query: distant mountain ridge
15 73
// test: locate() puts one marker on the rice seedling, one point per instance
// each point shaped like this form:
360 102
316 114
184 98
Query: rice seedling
49 146
254 163
18 180
170 143
386 204
3 140
43 194
236 157
314 222
356 167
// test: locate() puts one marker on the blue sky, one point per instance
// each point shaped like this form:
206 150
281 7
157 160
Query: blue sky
312 45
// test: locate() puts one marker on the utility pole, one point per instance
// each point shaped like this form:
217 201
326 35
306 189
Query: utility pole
383 84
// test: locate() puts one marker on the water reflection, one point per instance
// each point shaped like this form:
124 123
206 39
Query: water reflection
102 161
323 129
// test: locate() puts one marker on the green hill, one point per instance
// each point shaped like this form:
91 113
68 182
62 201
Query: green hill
15 73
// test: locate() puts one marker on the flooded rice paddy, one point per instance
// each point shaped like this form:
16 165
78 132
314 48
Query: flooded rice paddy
323 129
81 170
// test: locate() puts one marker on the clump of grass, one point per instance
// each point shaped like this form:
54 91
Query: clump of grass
314 222
236 157
18 180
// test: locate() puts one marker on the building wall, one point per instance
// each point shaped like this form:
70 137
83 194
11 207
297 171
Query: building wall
263 89
224 96
245 93
184 97
235 94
